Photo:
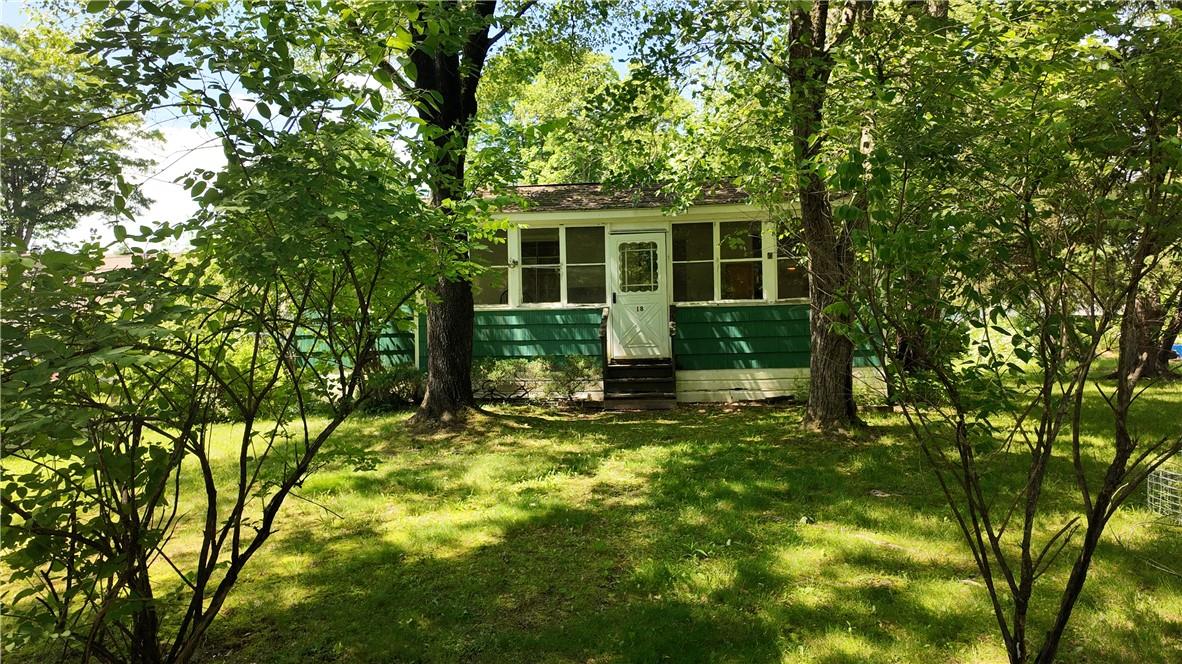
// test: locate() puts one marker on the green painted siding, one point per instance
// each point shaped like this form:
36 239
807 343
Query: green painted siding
395 347
537 333
772 336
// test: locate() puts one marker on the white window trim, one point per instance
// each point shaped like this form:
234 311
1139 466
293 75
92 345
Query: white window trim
509 281
516 295
604 264
522 267
769 257
718 260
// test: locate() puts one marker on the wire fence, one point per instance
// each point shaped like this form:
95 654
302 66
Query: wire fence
1165 491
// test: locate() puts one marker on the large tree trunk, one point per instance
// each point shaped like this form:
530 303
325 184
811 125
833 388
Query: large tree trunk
831 361
1156 326
452 78
1169 337
449 353
831 399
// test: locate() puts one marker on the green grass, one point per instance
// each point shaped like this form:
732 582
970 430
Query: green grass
721 534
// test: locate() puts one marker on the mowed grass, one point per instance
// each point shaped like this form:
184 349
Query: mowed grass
713 534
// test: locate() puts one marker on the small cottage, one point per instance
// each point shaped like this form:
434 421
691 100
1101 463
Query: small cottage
705 305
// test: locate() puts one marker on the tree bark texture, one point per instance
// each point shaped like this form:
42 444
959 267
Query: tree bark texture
831 399
451 77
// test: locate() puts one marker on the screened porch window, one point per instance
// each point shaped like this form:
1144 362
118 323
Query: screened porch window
491 286
550 254
693 262
792 277
586 269
740 262
541 265
717 261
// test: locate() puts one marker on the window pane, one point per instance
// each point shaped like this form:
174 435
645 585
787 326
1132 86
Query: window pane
739 239
693 242
491 286
693 282
638 267
792 279
539 246
495 251
790 247
585 284
584 245
540 284
742 281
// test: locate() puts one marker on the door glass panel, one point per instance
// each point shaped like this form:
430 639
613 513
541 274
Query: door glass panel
638 267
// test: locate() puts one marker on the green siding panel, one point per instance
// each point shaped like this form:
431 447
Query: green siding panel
536 332
754 329
747 346
523 317
772 336
394 347
743 314
525 333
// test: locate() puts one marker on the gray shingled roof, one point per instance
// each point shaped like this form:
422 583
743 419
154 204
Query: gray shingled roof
595 196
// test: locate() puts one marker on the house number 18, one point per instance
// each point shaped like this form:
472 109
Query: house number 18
640 307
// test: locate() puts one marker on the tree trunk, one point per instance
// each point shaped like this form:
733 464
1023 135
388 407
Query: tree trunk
831 399
449 353
1169 337
1155 330
452 78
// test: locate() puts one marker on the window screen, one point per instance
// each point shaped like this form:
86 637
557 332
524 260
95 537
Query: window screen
541 269
792 277
586 270
741 265
693 262
491 286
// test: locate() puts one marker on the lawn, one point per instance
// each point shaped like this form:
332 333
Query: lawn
703 534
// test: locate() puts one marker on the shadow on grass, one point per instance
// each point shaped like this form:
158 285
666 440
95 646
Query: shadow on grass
704 535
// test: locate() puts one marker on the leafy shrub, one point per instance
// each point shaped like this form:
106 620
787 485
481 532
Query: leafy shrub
553 378
569 375
392 388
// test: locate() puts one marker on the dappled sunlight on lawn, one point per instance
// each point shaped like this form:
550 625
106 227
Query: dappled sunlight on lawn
721 534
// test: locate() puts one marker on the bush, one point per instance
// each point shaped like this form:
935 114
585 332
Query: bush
551 378
570 375
393 388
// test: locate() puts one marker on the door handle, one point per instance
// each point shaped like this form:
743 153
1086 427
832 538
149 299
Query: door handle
613 298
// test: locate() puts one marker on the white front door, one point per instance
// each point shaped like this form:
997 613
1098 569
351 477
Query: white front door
640 304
